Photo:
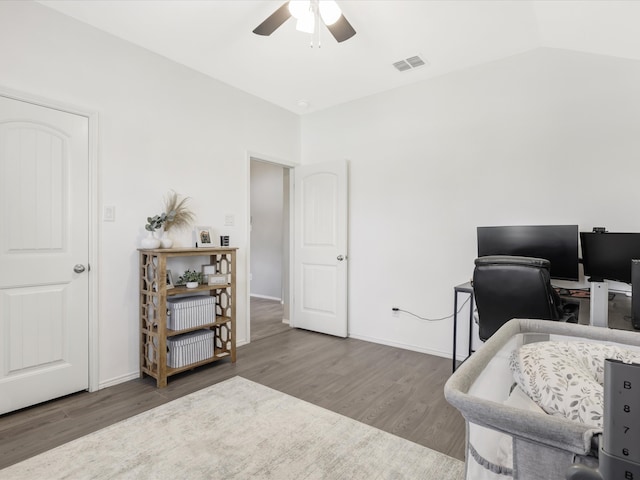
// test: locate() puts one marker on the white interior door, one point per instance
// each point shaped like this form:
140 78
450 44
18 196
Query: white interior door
320 251
44 196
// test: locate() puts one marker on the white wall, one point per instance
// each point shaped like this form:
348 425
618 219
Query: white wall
545 137
267 204
162 126
549 136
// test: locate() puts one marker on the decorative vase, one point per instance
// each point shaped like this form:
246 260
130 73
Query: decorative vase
192 284
165 240
150 241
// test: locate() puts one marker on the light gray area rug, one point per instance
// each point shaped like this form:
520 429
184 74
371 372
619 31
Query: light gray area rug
238 429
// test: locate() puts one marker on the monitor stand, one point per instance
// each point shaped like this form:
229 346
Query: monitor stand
635 294
599 304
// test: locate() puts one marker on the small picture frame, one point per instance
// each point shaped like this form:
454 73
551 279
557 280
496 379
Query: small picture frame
208 270
218 279
212 277
169 282
203 237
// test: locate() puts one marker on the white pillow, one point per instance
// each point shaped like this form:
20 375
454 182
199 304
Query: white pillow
566 378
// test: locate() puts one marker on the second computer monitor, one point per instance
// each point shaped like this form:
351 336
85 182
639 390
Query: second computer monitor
607 256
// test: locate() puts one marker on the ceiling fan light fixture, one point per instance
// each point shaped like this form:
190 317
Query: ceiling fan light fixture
329 11
299 8
309 14
306 23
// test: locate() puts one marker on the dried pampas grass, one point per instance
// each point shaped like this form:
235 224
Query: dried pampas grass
178 213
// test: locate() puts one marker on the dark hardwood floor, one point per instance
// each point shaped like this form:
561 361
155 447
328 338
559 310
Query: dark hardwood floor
266 318
395 390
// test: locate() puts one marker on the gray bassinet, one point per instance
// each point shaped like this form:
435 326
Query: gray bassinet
505 438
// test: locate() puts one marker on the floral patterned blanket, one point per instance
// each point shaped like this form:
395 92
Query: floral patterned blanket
566 378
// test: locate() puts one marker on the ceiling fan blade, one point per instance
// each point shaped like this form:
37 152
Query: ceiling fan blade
273 21
341 29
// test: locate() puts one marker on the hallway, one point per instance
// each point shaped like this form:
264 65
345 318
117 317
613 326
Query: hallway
266 318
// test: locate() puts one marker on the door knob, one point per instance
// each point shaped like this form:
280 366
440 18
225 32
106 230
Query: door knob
340 258
78 268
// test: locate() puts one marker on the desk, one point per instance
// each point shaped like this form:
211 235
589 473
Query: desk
467 289
618 314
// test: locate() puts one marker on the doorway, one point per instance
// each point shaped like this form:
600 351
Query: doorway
269 248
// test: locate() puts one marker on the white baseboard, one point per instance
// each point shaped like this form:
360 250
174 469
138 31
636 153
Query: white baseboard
266 297
135 375
241 342
405 346
117 380
286 320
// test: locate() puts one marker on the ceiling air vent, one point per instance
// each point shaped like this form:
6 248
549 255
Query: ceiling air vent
415 61
402 66
409 63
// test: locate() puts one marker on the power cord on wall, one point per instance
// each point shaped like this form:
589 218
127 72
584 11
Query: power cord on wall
396 309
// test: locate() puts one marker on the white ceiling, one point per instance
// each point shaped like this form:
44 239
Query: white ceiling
215 37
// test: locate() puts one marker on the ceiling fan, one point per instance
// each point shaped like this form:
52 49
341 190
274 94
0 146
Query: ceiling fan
309 14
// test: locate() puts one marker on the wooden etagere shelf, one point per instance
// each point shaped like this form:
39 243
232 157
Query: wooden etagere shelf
153 309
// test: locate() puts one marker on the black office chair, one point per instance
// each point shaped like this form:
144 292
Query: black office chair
507 287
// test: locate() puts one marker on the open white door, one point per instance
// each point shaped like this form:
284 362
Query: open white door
44 250
320 252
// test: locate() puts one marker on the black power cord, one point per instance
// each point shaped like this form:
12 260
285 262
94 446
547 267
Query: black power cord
396 309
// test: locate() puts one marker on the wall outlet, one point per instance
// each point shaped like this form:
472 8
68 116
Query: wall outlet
395 312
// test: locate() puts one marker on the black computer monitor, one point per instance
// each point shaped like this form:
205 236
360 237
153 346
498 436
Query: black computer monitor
556 243
607 256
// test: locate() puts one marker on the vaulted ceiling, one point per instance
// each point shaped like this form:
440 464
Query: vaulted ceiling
215 37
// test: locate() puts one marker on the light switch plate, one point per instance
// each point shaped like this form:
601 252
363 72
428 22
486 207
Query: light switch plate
229 220
109 213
